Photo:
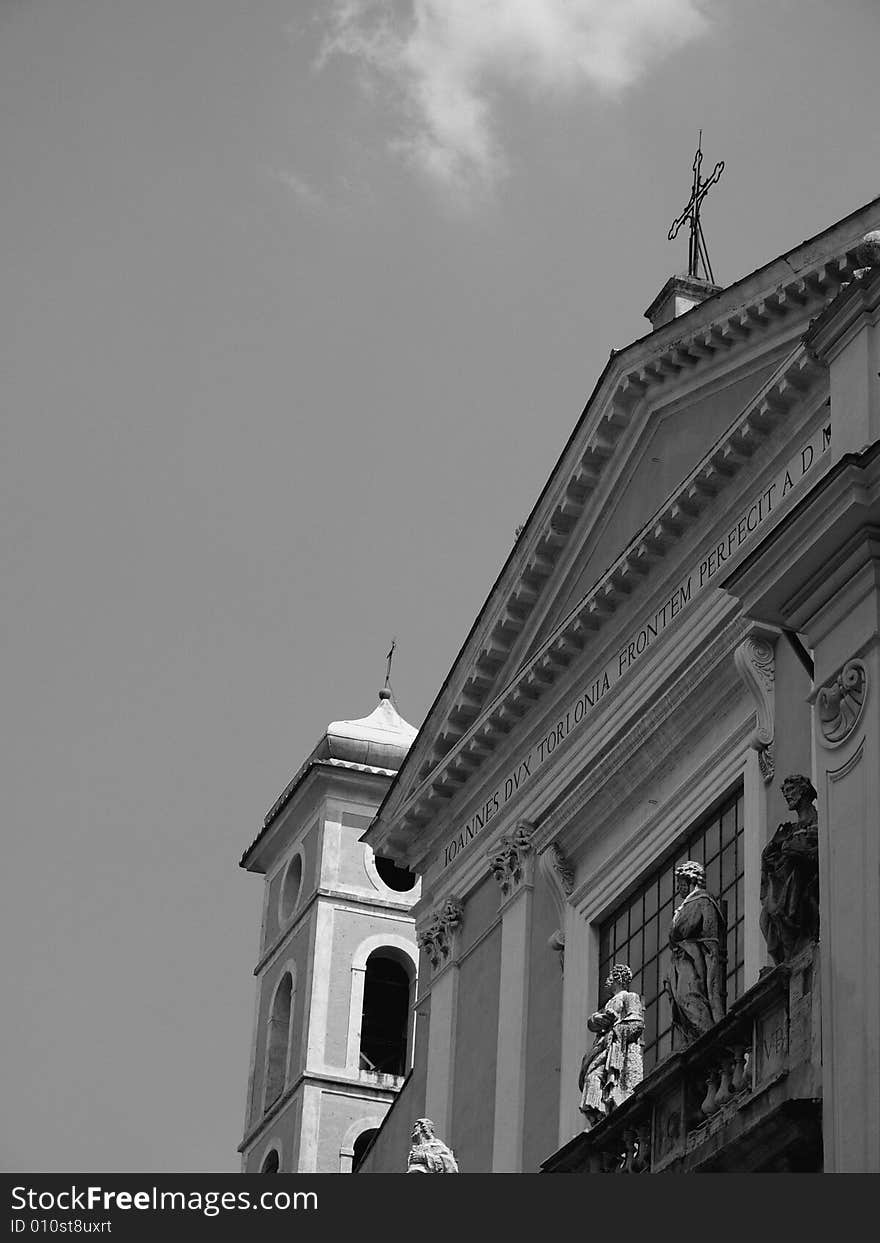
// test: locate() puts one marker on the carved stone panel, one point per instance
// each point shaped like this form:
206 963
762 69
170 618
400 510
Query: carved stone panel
771 1043
669 1128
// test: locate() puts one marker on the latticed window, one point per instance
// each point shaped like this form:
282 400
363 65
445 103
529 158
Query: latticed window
637 932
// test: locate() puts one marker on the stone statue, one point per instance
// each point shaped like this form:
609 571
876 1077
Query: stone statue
429 1155
612 1068
698 940
790 876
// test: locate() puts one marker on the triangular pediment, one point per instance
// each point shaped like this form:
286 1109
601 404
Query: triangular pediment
675 408
663 450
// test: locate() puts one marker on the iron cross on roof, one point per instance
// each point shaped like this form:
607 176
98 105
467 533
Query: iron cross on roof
697 252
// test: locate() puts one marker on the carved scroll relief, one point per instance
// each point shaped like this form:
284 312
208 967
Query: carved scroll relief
755 661
840 702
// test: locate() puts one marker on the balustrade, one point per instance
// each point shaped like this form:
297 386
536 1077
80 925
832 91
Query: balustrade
701 1100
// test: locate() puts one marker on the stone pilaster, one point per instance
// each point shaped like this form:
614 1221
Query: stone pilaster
755 660
512 864
437 938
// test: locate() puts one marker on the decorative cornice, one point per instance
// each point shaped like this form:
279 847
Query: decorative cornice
436 938
755 660
508 859
311 765
841 701
633 377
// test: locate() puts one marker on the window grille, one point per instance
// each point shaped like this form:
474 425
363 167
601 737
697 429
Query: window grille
637 931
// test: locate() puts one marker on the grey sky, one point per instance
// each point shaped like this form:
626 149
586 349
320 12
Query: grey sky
279 381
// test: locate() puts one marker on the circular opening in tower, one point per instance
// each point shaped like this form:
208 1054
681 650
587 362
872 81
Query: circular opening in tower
291 887
400 879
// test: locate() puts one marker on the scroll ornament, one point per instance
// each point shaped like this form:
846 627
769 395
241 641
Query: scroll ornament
840 702
558 869
756 663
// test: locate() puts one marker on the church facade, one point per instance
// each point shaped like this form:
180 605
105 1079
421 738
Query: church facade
690 616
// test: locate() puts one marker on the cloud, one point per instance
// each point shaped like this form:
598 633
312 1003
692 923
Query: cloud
303 191
443 61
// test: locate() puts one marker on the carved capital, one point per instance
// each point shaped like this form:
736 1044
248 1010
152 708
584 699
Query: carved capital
436 937
508 859
839 703
755 660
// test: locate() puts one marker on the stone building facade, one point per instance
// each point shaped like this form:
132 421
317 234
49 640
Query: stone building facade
690 615
337 966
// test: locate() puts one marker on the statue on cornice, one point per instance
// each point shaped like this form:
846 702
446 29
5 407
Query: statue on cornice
428 1154
790 875
698 941
612 1068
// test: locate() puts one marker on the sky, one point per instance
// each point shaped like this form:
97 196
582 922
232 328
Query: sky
300 301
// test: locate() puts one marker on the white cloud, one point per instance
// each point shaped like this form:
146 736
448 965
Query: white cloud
302 190
442 59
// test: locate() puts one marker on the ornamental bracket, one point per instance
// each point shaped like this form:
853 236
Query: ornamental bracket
755 660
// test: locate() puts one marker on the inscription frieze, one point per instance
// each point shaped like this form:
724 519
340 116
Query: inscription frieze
810 460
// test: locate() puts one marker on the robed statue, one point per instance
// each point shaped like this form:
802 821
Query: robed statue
612 1068
428 1154
790 876
697 981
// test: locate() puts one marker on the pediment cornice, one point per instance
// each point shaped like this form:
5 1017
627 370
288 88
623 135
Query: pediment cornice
579 635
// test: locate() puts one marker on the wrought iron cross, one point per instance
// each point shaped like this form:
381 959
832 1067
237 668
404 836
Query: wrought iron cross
389 659
697 252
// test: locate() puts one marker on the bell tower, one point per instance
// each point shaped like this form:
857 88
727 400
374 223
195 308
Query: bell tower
336 969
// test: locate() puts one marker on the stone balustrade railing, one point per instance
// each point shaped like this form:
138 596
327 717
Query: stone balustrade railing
745 1095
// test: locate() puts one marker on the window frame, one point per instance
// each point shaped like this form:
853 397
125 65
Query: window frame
725 818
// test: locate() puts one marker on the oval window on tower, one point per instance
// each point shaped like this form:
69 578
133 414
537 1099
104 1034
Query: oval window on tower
397 878
291 887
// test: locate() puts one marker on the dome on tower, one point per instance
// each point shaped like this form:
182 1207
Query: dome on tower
380 740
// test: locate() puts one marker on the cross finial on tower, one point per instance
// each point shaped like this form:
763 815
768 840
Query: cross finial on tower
389 659
697 252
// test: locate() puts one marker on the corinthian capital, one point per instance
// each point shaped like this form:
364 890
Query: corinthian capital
507 861
436 936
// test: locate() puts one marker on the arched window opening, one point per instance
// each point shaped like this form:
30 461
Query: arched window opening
385 1015
402 880
360 1147
291 887
278 1041
271 1164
